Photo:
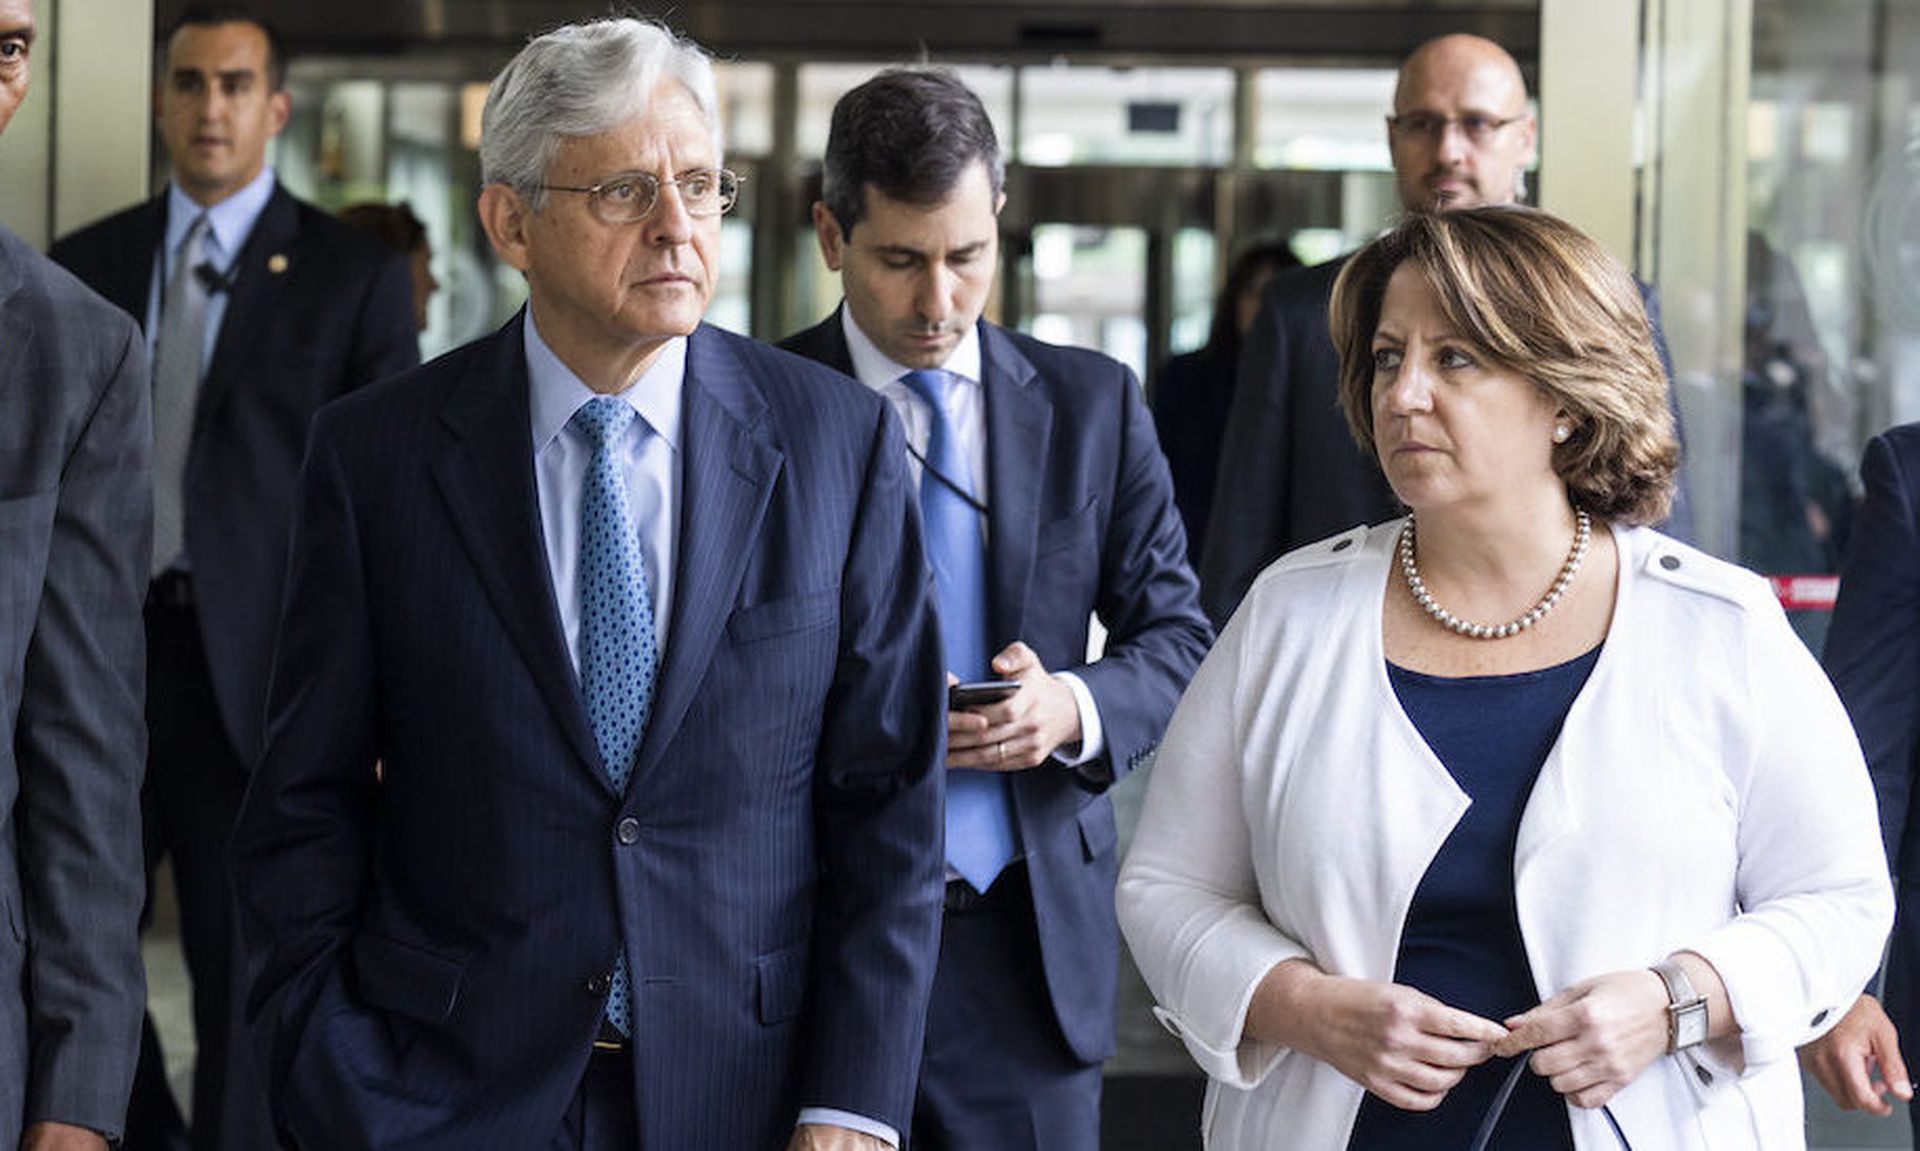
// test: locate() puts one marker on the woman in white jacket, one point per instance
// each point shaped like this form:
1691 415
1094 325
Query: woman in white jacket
1611 847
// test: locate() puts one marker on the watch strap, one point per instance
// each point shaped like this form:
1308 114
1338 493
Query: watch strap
1685 1006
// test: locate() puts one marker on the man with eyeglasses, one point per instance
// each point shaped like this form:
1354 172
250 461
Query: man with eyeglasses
632 614
1461 135
257 308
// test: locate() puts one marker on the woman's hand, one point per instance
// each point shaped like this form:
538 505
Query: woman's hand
1595 1037
1403 1045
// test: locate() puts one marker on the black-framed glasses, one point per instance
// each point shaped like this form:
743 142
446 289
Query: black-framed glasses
628 197
1476 127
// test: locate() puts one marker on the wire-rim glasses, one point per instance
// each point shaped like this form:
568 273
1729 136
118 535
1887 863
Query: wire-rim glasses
628 198
1477 127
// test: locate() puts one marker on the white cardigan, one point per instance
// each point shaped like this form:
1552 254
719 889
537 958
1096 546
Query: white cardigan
1706 793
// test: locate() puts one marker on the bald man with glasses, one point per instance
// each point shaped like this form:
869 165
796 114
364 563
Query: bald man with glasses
1461 135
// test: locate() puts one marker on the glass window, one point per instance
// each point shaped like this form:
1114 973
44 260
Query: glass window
1089 290
1325 119
1097 115
746 107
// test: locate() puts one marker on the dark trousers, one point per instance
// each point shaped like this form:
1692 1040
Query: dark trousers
997 1075
602 1116
195 781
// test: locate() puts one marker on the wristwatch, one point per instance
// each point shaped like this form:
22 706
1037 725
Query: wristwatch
1686 1008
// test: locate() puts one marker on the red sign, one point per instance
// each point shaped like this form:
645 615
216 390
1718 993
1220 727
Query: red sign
1806 592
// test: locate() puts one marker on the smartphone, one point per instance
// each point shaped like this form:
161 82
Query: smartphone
962 696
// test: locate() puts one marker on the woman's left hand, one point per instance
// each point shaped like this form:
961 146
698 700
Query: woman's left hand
1595 1037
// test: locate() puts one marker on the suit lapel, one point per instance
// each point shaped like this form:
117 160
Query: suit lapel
128 282
486 476
1018 422
727 477
258 276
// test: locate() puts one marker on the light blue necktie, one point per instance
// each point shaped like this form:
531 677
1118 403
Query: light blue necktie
618 648
980 831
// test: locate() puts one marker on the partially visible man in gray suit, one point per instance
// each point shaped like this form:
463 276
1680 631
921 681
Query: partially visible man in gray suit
75 521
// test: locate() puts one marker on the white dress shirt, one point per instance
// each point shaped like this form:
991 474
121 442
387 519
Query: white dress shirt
650 457
967 412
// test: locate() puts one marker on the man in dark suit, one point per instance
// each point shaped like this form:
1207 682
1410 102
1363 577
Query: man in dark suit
74 524
1046 501
274 308
632 617
1873 657
1461 135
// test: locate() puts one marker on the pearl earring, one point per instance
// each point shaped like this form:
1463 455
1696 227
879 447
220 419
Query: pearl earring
1560 433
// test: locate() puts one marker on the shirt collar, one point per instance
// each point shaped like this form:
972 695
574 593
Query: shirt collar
231 220
556 393
872 367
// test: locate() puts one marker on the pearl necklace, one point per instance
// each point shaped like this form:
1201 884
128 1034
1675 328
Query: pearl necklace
1582 533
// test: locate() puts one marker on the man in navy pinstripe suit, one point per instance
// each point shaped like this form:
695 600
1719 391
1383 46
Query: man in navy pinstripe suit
506 939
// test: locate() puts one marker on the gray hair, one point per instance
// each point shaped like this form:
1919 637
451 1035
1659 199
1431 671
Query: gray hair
582 80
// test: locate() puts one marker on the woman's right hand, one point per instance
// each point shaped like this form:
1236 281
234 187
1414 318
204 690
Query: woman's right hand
1401 1044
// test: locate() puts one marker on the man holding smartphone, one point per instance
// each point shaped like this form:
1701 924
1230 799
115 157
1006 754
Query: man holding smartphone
1045 501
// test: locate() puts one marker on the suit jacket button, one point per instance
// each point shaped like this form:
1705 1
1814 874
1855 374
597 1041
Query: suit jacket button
598 983
627 831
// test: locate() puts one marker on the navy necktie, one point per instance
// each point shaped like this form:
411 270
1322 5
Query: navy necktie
619 650
980 829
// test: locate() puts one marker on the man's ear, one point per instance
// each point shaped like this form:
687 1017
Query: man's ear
833 241
279 106
506 216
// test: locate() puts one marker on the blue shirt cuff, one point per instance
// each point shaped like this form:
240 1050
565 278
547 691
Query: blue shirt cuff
829 1117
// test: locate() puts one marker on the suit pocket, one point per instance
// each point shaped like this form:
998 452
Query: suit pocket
407 980
1098 834
1075 528
781 983
785 616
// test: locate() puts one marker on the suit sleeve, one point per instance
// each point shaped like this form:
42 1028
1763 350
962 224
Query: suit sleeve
80 741
1148 601
1873 647
1249 518
301 846
878 789
1679 523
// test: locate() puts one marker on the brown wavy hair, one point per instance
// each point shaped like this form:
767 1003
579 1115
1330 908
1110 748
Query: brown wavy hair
1541 298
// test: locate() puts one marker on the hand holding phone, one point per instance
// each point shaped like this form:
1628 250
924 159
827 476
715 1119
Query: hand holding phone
967 696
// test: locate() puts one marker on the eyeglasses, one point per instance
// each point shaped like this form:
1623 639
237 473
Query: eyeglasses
1477 128
629 196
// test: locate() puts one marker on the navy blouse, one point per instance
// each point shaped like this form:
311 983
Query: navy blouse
1461 943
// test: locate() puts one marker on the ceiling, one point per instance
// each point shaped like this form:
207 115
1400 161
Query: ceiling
1329 30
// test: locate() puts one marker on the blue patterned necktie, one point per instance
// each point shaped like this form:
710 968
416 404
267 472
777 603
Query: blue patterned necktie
980 829
618 649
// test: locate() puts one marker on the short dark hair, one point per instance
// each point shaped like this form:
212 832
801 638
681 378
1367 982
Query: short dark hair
1267 256
394 225
212 15
911 133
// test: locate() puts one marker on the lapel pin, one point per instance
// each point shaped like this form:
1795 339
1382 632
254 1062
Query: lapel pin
276 263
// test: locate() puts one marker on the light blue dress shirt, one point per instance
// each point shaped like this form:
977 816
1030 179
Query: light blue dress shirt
967 409
229 223
650 458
